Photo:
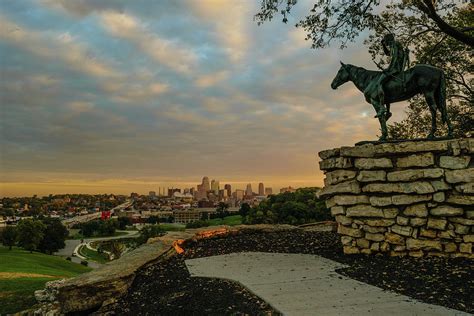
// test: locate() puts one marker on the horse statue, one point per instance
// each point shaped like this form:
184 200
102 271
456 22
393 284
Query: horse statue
421 78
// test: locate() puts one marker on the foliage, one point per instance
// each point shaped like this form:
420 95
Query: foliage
99 228
84 263
123 222
150 231
244 209
8 236
153 219
197 224
30 232
222 210
54 237
294 208
343 21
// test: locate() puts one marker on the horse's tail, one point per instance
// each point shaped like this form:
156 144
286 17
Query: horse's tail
441 98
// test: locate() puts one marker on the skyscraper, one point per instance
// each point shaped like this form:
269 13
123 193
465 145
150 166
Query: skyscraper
248 190
205 184
268 191
261 189
215 186
228 187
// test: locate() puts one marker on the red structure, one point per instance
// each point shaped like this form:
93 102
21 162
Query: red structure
105 215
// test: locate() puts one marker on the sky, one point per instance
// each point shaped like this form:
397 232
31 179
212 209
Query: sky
116 96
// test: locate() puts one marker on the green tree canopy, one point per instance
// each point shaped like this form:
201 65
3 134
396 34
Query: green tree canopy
54 237
8 236
30 232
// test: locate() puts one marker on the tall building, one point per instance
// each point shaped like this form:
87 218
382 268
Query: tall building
268 191
152 194
205 184
288 189
228 188
215 186
248 190
239 194
261 189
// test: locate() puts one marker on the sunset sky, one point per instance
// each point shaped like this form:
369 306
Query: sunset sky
116 96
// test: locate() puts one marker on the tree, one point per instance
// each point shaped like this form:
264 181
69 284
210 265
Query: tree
123 222
9 236
54 237
149 232
244 209
343 20
221 210
30 233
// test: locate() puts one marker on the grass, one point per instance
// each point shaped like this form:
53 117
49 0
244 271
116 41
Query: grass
173 227
17 293
92 255
229 220
78 236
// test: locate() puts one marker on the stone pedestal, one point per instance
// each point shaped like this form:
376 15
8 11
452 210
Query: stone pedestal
411 198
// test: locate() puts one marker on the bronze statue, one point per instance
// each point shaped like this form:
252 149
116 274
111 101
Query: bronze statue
393 84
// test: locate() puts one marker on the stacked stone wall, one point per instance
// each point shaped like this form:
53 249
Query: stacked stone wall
409 198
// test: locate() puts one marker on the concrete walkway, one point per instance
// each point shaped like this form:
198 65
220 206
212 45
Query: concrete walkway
297 284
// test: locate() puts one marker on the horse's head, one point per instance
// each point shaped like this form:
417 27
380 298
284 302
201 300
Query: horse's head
341 77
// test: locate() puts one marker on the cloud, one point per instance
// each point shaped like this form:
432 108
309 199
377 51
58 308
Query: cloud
171 53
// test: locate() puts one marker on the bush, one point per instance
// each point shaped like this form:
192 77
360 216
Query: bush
150 231
68 259
84 263
197 224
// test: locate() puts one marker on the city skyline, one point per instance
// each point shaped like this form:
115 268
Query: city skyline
116 96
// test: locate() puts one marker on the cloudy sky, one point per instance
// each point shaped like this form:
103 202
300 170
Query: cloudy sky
120 96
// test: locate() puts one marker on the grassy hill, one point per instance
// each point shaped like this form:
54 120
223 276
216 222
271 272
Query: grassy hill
21 273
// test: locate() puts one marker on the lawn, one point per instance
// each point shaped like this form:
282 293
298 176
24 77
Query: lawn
92 255
21 273
229 220
172 227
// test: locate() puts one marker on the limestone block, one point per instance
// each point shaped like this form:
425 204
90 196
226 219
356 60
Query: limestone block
450 247
363 243
416 254
402 230
394 239
414 234
402 220
457 176
465 247
330 202
467 188
337 210
344 220
380 200
440 185
338 176
450 162
375 246
344 187
419 244
418 221
351 199
366 150
437 223
373 163
461 229
439 197
468 238
428 233
410 199
415 174
446 210
398 253
462 221
335 163
346 240
325 154
384 247
374 237
373 230
418 210
390 212
417 160
399 187
353 232
365 251
470 214
379 222
363 211
371 175
411 147
351 250
446 234
461 199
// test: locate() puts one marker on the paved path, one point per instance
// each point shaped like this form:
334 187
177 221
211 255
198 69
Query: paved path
297 284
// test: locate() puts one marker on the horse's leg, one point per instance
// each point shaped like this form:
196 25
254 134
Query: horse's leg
430 99
380 109
388 114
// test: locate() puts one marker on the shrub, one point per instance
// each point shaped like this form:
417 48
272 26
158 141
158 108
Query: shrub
197 224
68 259
84 263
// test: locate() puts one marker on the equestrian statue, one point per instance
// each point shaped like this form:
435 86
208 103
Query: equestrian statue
394 84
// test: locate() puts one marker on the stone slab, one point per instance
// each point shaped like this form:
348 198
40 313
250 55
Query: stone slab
300 284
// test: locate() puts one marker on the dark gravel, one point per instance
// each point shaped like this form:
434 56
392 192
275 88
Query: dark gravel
165 288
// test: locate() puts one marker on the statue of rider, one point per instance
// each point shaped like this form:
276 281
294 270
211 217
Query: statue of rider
399 61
